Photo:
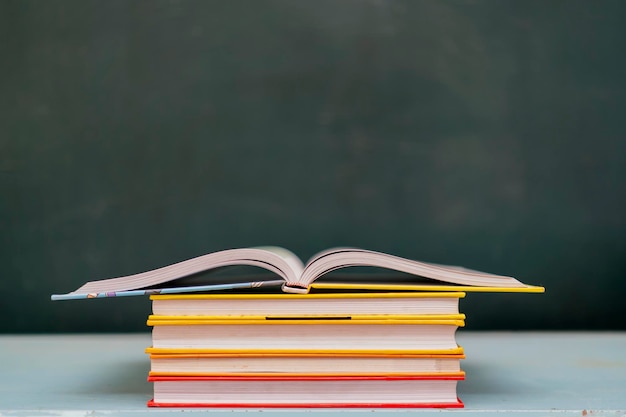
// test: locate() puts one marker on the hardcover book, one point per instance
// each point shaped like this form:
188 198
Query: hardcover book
400 334
309 305
433 391
178 363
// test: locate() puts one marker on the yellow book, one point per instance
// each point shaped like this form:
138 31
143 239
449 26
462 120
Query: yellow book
156 320
393 333
455 320
302 364
309 305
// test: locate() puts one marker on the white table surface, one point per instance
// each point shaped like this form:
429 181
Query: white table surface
520 374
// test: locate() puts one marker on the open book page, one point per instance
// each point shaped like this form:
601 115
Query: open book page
291 258
278 260
332 260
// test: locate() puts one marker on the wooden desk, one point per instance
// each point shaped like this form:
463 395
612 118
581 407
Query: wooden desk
520 374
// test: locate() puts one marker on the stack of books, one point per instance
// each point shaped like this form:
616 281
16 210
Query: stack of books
360 343
314 350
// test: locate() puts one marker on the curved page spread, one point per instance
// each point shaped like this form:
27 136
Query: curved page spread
296 277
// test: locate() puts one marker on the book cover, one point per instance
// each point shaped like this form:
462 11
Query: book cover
454 319
253 351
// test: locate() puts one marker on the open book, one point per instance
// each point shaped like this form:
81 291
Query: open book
296 277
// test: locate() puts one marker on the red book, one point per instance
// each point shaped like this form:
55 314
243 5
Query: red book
432 391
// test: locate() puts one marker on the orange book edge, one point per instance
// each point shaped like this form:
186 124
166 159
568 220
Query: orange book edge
172 355
306 352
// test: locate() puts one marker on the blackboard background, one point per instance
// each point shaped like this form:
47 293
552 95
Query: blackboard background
485 134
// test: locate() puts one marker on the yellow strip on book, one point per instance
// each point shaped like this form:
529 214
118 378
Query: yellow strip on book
355 320
417 288
305 352
176 354
305 319
307 296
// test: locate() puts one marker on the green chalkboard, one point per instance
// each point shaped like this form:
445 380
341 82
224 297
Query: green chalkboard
489 134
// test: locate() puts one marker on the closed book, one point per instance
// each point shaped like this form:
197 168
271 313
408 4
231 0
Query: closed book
307 305
198 364
306 391
397 333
